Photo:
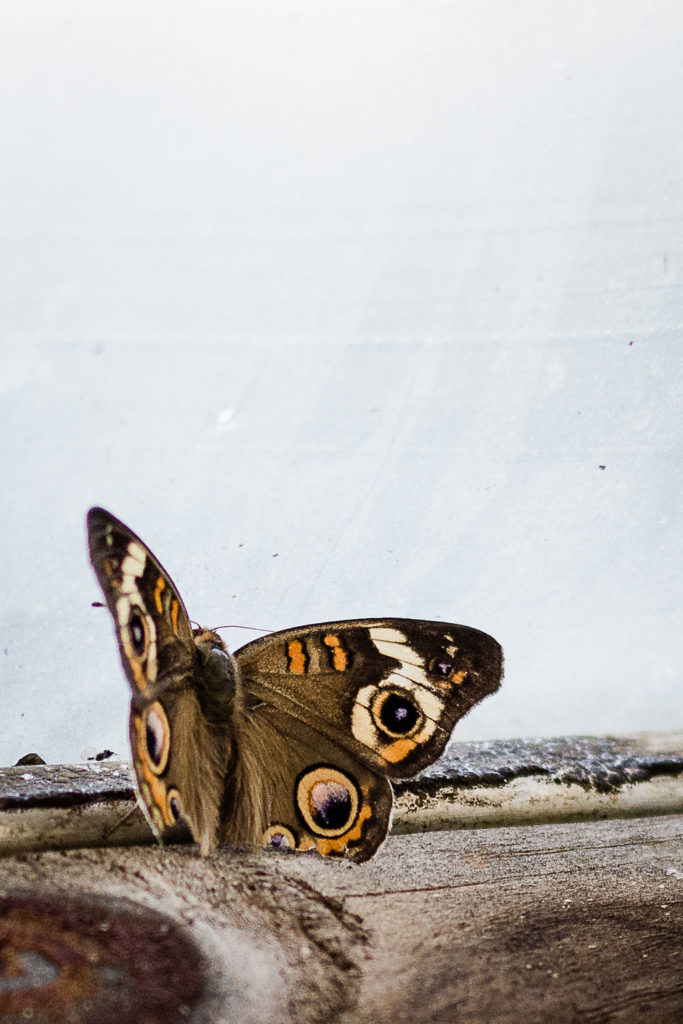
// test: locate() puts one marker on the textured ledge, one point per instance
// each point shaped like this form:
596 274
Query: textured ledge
598 764
523 782
472 785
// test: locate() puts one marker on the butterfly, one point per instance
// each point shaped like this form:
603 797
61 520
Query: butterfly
290 741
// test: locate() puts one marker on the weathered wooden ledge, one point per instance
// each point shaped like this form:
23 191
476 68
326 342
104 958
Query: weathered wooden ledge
563 922
490 784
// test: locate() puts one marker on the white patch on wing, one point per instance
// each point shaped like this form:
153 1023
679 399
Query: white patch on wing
408 670
394 644
124 605
364 695
387 633
129 587
362 725
152 660
401 652
135 560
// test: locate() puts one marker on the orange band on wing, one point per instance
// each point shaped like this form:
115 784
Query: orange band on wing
151 786
297 657
340 659
458 677
161 583
398 751
174 615
327 846
138 674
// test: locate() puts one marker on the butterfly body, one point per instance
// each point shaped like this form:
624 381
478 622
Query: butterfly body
290 741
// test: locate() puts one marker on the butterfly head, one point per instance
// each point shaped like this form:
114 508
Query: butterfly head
208 639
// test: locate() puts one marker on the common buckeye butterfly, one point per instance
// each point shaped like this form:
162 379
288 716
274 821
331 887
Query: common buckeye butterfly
291 740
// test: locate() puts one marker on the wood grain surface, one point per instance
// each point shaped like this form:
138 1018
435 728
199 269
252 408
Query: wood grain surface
561 923
578 923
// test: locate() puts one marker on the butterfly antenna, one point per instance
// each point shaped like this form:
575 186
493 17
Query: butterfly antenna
255 629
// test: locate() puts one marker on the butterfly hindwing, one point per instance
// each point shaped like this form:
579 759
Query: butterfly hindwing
318 795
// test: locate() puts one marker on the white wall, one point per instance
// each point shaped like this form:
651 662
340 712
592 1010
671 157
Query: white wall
377 287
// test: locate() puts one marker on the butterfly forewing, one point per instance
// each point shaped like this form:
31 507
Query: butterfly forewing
387 690
152 625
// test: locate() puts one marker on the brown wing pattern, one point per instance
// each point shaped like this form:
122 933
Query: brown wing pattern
313 794
341 706
387 690
179 755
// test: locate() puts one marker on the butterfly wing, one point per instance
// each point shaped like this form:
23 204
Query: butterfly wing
293 786
348 705
179 754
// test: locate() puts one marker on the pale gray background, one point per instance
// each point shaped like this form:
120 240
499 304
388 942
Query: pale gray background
342 306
